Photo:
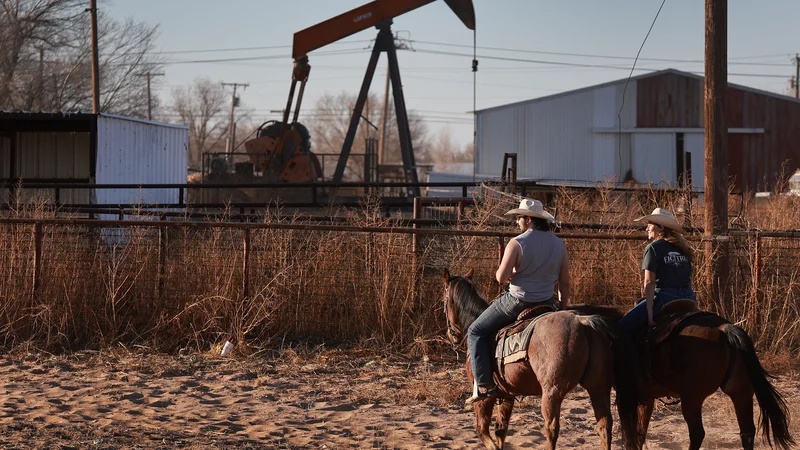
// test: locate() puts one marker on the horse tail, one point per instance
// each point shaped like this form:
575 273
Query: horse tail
774 412
625 383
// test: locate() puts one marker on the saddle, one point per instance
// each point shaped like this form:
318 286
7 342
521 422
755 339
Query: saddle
675 316
672 319
511 342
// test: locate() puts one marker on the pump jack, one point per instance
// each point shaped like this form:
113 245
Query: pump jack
288 143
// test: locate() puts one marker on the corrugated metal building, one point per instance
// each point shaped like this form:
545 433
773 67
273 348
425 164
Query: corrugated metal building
648 129
93 149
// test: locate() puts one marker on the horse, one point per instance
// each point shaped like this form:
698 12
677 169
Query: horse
565 350
703 353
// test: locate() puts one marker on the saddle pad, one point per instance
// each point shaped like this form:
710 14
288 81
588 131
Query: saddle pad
515 347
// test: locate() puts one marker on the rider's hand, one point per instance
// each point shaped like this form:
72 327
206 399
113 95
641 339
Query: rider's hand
651 323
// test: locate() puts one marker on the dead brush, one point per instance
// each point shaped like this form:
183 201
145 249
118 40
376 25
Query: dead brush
186 286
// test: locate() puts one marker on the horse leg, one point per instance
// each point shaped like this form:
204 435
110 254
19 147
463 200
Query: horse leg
645 413
483 419
551 412
743 404
601 404
692 413
503 417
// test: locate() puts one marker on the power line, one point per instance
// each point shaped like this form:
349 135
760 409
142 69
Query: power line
625 89
595 66
589 55
261 58
243 49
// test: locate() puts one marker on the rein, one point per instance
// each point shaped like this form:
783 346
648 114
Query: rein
451 329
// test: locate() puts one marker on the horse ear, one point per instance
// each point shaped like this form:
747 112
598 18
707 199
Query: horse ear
446 275
469 274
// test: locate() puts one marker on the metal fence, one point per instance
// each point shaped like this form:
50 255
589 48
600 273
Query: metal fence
78 283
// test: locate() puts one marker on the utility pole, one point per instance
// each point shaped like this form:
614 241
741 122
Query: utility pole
797 75
149 75
715 235
234 103
95 57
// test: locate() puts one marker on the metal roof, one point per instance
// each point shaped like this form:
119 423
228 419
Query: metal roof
639 77
80 119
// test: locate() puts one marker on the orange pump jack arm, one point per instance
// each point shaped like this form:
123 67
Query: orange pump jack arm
349 23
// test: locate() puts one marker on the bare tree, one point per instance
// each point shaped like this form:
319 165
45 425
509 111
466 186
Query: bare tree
202 106
45 58
445 153
26 28
330 119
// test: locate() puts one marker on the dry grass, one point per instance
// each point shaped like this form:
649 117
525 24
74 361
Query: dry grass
182 287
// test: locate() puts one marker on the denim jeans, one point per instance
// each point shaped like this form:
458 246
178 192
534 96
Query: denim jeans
637 317
480 336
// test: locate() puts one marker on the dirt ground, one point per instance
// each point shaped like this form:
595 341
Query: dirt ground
314 399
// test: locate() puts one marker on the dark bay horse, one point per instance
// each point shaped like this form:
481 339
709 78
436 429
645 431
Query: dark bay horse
566 349
706 353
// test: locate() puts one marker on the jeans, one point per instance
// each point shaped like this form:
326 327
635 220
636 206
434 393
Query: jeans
637 317
480 336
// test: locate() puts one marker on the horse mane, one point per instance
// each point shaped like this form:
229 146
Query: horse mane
468 300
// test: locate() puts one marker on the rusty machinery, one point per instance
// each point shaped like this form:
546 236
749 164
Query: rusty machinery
282 148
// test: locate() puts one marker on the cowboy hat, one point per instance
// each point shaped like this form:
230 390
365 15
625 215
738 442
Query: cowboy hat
663 218
532 208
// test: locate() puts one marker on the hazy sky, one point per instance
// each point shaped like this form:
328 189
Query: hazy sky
526 48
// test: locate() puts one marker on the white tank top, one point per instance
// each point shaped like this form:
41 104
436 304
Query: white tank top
540 264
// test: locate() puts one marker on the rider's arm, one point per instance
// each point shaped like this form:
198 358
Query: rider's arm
563 281
649 292
509 262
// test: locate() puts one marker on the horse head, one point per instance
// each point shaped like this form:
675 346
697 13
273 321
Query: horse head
462 305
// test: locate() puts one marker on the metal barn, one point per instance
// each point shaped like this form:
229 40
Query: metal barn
92 149
645 130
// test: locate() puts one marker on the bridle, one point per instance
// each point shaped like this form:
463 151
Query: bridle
452 330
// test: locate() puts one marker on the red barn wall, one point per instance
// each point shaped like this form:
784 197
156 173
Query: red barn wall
754 160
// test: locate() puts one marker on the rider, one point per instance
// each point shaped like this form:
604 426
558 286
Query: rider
531 264
667 266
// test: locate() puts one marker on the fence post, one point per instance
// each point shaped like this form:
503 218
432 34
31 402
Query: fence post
757 264
501 246
415 266
37 258
162 259
416 215
246 265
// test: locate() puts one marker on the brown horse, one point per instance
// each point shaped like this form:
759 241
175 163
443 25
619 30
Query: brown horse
704 353
566 349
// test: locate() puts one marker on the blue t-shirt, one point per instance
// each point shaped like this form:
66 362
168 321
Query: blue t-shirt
672 268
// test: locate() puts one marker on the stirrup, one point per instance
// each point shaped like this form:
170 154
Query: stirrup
477 394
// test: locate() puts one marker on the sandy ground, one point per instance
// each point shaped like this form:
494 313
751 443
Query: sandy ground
319 399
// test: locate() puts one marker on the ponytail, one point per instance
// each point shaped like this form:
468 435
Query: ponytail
678 240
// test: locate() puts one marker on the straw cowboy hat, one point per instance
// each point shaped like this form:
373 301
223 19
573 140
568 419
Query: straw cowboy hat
664 218
532 208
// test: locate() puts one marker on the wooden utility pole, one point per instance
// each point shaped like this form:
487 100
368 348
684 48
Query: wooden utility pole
796 75
234 104
95 57
716 151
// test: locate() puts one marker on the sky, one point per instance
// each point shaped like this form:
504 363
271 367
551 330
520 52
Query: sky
526 49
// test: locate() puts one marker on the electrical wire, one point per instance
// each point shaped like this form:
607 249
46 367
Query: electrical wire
625 89
243 49
589 55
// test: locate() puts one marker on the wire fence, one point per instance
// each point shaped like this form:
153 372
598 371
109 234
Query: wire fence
77 284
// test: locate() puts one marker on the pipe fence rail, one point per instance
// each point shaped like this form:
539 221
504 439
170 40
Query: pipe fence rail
74 283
